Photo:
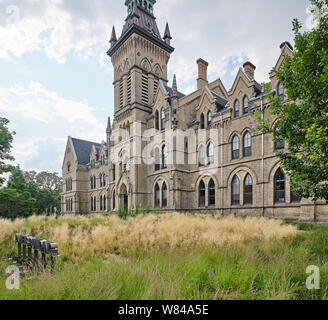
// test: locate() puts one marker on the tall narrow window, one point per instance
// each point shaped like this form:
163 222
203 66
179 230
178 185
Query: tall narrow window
279 143
247 144
162 119
95 204
210 153
281 92
202 121
101 203
235 147
100 180
209 119
164 195
126 167
105 203
157 120
164 157
91 203
236 109
211 193
114 201
248 190
245 105
114 178
157 160
235 191
201 156
157 196
280 186
201 194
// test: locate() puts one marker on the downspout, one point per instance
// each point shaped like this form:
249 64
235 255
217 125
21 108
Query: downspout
262 164
221 165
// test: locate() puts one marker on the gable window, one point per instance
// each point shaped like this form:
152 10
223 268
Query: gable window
245 105
236 109
201 194
248 190
157 196
164 157
211 193
164 195
235 147
280 186
202 121
281 92
247 144
210 153
209 119
157 120
162 119
235 191
201 156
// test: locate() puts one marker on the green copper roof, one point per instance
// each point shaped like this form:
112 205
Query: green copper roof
146 4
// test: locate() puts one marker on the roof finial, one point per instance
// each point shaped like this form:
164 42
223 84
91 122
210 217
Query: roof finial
175 88
113 38
109 126
167 34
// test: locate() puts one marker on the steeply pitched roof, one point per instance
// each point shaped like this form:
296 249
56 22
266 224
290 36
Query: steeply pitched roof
169 91
82 150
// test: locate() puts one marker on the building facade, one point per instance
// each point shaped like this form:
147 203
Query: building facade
200 152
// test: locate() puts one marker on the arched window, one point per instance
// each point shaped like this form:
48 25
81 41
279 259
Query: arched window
104 180
248 190
157 160
114 201
235 147
235 191
101 203
211 193
202 121
162 119
280 186
236 109
157 196
94 204
245 105
101 180
201 194
281 92
210 153
164 157
91 183
91 203
209 119
201 156
279 143
157 120
164 195
247 144
105 203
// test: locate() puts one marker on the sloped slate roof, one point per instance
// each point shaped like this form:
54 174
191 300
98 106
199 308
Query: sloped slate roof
169 90
222 102
82 150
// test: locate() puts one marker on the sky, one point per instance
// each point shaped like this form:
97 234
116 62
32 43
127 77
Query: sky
56 79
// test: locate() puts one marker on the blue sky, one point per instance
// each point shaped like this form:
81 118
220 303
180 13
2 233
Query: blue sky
56 79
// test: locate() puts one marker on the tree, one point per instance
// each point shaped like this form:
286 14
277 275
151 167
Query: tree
15 199
6 139
46 188
303 123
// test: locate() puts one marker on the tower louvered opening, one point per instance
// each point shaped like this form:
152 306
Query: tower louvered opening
144 88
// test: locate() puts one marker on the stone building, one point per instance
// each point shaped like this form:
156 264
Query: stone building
199 152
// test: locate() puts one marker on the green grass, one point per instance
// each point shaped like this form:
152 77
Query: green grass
252 271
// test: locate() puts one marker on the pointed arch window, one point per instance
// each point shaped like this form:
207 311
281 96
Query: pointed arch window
157 120
235 147
157 196
91 203
235 191
157 160
210 153
280 186
209 119
201 194
281 92
94 204
101 203
202 121
201 156
248 190
105 203
162 119
164 157
245 105
164 195
211 193
247 144
236 109
114 200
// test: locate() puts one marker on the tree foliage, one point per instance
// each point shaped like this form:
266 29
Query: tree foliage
6 139
303 122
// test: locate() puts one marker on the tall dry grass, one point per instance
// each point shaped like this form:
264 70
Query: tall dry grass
80 235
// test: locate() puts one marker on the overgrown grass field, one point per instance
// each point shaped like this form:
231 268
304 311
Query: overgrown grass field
169 256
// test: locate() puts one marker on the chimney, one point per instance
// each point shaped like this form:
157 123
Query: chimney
202 73
250 69
287 44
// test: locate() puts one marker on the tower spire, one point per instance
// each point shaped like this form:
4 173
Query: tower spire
175 87
113 38
167 34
